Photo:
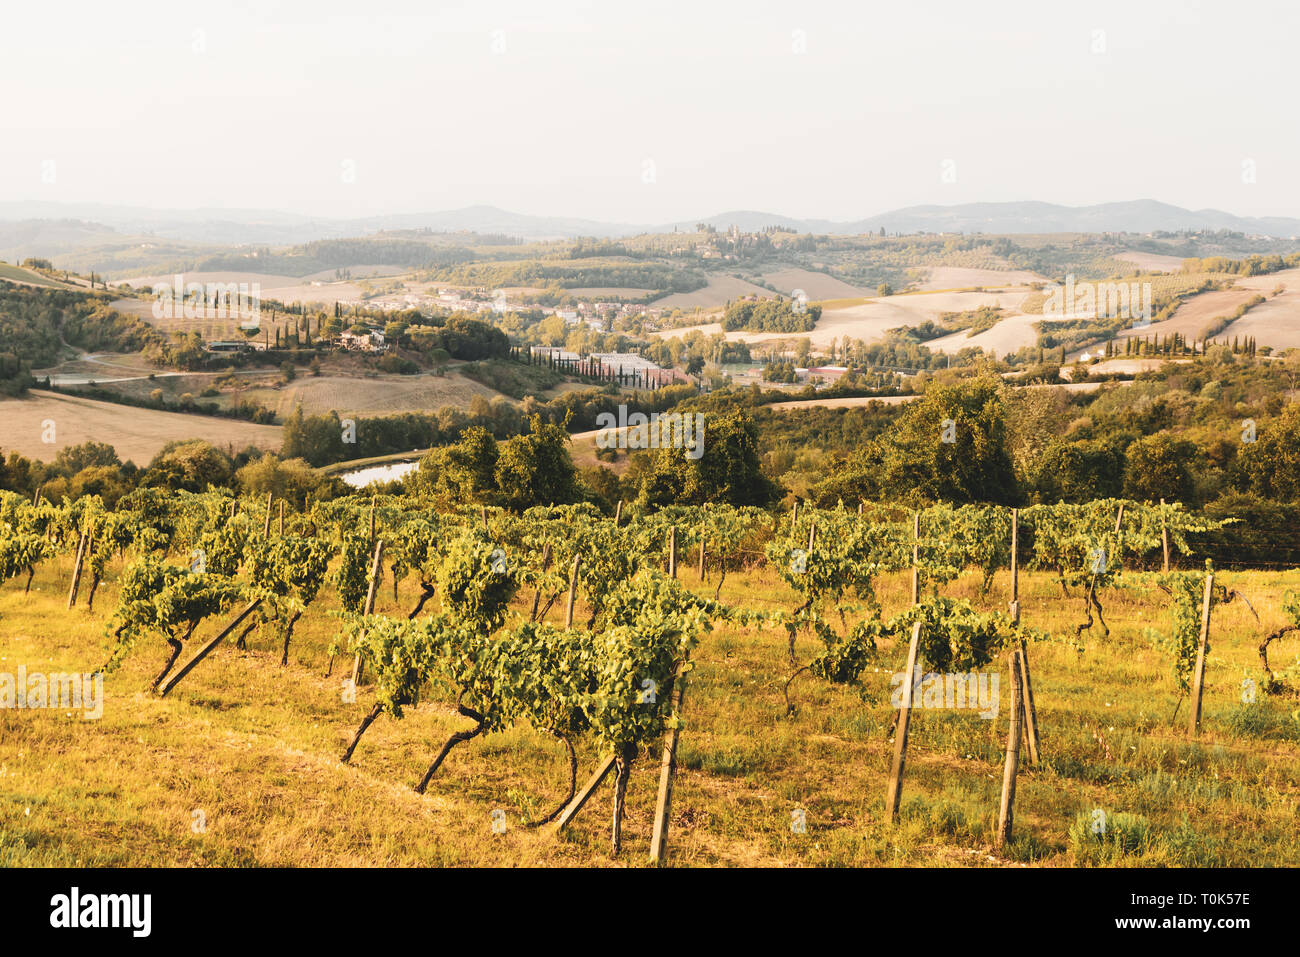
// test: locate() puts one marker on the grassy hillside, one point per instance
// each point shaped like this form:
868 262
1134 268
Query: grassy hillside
18 274
255 748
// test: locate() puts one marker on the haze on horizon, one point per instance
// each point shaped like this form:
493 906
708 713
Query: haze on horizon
648 113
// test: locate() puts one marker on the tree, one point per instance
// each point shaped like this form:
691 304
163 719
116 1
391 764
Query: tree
1160 466
1270 466
106 481
951 445
291 479
728 470
536 469
461 473
1079 472
190 466
74 458
316 438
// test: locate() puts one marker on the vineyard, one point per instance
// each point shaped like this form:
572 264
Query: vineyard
367 680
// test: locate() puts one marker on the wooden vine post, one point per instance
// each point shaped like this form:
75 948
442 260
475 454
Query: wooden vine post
573 591
618 513
1006 810
667 769
1026 684
584 795
266 528
1027 707
1198 680
794 515
376 569
203 652
916 558
82 547
1014 605
672 552
282 518
701 558
1118 560
1164 535
894 796
537 596
373 500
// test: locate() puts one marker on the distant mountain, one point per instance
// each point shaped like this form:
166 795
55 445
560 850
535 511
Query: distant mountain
1137 216
489 219
272 228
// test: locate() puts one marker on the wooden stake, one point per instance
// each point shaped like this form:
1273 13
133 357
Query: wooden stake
667 769
916 558
1164 535
1119 518
1198 681
546 563
859 510
373 500
584 794
1015 566
573 591
266 529
894 796
1027 705
376 569
672 552
206 649
794 515
701 559
618 513
76 570
1006 811
282 518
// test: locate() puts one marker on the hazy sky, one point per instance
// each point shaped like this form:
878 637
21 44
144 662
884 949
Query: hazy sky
649 111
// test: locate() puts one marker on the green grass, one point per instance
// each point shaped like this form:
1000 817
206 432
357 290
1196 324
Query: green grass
18 274
255 747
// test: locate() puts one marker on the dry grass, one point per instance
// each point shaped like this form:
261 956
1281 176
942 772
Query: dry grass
719 291
1273 323
136 434
369 395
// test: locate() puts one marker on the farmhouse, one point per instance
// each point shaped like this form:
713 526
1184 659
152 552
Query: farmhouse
370 341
